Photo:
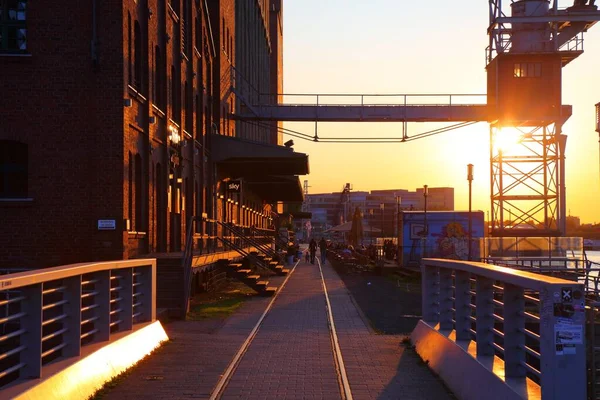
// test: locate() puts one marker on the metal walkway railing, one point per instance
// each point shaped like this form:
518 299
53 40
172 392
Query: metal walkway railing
51 314
535 323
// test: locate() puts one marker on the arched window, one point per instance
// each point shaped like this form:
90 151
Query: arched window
137 56
139 218
158 78
175 101
160 208
129 52
13 169
130 194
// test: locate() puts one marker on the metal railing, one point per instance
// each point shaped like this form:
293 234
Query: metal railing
262 243
232 237
578 270
535 323
52 313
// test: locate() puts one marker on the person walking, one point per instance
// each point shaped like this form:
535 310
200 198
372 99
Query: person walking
323 248
312 248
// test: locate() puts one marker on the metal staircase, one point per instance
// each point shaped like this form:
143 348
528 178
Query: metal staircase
264 262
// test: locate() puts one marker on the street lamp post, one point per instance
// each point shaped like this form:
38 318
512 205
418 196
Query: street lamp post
371 225
470 179
398 199
426 228
382 208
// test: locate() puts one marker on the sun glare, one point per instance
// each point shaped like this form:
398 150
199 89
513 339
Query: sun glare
507 139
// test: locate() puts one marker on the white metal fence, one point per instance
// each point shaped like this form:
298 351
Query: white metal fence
535 323
50 314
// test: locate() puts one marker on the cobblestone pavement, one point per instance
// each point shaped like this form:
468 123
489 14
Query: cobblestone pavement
190 365
290 357
378 366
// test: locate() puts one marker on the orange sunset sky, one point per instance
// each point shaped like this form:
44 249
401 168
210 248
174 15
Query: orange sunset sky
418 47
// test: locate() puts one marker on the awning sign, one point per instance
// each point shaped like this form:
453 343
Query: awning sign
234 186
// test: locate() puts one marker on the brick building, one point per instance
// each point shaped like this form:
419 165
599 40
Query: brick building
118 125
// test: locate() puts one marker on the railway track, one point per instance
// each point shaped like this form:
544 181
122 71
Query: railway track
337 359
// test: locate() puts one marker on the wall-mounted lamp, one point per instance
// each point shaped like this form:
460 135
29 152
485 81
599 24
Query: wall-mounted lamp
221 196
174 135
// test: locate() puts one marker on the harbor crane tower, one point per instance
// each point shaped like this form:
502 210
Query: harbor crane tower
530 42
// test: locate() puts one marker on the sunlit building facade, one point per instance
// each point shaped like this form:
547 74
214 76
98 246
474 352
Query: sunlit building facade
118 126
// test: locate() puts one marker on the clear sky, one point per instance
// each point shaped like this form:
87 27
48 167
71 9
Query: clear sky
409 47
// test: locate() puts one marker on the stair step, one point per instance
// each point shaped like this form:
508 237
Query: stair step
285 271
256 277
271 289
279 267
262 283
273 263
244 271
235 265
267 259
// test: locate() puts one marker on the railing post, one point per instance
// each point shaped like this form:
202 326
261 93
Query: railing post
148 289
445 299
514 335
462 301
430 293
32 338
73 309
102 299
126 295
562 344
484 315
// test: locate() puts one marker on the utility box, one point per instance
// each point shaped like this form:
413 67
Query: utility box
525 88
439 234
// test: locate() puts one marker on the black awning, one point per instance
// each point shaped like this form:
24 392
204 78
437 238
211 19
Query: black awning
244 158
273 188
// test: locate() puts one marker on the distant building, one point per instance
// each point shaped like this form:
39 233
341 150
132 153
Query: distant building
379 207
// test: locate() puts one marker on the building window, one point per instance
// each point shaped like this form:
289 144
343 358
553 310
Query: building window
13 169
175 100
528 70
159 78
139 224
130 194
13 29
137 56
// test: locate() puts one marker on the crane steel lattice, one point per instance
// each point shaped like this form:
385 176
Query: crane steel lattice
528 47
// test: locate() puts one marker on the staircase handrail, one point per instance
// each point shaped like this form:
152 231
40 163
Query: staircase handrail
283 244
255 260
186 263
252 240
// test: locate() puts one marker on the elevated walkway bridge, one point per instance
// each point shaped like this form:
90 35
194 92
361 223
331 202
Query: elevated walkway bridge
366 108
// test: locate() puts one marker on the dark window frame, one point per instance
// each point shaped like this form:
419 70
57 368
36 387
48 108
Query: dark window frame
7 25
14 170
527 70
